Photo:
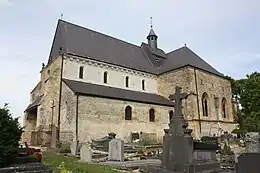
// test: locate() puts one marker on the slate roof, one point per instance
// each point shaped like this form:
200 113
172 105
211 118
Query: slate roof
90 44
184 57
95 90
34 104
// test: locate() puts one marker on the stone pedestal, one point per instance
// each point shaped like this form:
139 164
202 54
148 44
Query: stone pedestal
116 150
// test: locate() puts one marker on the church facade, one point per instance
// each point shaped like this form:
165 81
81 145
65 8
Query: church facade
94 84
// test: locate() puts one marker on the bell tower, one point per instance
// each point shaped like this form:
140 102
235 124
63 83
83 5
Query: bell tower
152 37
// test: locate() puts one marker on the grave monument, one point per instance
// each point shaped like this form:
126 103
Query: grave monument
180 152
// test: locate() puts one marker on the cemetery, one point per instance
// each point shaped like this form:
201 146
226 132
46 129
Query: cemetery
178 152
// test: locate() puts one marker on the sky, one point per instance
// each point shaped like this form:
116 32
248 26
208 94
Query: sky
224 33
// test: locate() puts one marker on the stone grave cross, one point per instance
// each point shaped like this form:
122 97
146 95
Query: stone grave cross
178 97
178 143
178 122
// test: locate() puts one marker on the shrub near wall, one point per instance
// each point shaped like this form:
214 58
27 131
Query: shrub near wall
10 135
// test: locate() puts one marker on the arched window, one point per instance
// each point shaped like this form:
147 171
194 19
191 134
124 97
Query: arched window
105 77
127 81
224 107
143 84
81 69
128 113
170 115
205 104
151 115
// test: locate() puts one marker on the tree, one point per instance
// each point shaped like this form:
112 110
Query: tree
247 94
10 135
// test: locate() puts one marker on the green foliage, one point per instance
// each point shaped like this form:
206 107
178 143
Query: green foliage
66 164
10 135
64 148
247 93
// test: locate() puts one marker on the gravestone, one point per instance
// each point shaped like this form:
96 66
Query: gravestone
116 150
180 154
253 144
85 153
74 148
248 163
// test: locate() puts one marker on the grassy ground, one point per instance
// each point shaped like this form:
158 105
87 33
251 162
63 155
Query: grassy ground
54 161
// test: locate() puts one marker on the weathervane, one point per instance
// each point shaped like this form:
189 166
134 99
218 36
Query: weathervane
61 16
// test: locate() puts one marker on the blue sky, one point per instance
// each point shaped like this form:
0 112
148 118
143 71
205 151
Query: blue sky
224 33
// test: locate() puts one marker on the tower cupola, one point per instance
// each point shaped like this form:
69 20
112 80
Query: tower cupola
152 37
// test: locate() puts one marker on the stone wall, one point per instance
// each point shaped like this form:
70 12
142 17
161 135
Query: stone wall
185 79
68 115
93 72
47 111
99 116
213 85
36 92
50 79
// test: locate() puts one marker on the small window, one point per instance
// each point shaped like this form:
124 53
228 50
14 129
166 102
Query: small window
49 72
128 113
152 115
127 81
105 77
170 115
223 106
205 105
143 85
81 69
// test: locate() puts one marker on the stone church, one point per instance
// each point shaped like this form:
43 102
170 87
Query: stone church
94 84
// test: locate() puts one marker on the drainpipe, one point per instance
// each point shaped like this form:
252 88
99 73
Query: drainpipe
77 117
196 86
60 94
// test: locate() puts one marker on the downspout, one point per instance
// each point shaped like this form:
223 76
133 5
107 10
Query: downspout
77 117
60 94
196 86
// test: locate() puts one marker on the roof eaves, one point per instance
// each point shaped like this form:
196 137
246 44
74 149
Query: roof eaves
188 65
82 56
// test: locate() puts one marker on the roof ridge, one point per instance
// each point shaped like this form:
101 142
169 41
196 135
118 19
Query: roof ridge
92 30
176 49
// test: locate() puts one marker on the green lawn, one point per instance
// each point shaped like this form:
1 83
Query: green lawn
53 161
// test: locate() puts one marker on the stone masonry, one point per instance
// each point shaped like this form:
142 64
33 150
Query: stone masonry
99 116
47 111
213 85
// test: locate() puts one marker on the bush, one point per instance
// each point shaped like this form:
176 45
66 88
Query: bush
10 135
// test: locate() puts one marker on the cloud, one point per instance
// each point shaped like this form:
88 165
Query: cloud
4 3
